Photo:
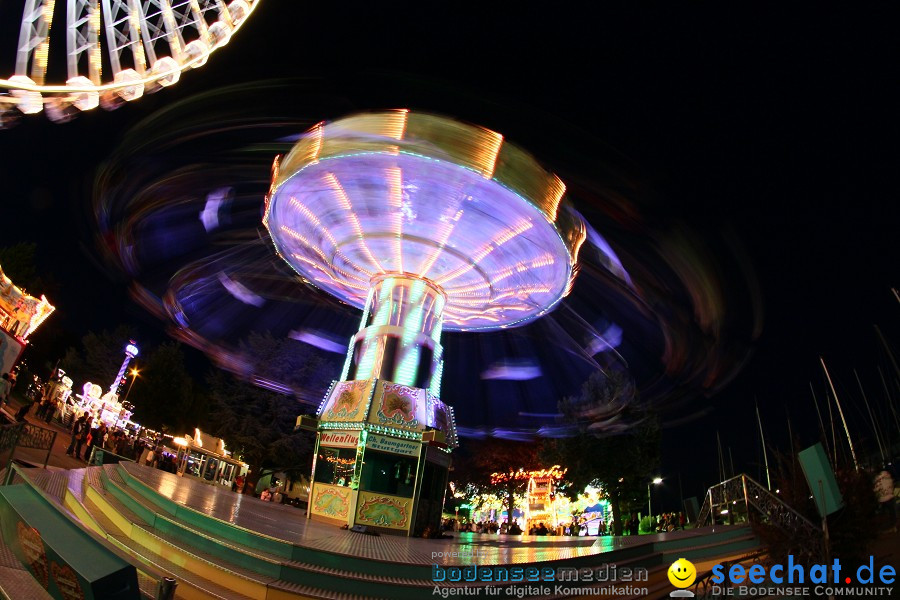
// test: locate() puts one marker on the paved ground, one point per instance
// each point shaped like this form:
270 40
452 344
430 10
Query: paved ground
58 458
290 524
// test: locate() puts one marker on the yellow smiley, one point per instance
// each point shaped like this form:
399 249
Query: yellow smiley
682 573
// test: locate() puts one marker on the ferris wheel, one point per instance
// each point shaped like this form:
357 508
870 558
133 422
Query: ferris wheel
115 50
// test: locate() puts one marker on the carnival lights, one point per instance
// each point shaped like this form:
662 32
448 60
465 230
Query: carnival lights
146 44
555 473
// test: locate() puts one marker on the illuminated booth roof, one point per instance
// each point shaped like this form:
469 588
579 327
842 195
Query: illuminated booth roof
20 313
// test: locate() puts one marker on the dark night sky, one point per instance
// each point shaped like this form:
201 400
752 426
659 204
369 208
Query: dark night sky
780 127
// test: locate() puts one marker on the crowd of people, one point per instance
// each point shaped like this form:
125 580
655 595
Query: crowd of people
89 433
86 430
578 527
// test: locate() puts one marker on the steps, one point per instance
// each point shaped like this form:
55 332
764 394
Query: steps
56 486
220 545
272 574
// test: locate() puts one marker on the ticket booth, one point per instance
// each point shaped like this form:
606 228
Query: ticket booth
382 457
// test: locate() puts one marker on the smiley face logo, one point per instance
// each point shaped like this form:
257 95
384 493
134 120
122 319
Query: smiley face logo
682 573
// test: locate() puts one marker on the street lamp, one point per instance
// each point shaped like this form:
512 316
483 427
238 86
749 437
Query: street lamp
134 373
656 481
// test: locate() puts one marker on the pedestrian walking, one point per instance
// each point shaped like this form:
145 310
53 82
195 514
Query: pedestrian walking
79 428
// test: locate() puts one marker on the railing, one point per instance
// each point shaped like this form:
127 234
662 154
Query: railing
25 435
766 506
9 437
100 456
706 589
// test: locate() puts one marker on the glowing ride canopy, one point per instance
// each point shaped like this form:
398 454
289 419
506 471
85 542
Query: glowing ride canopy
429 198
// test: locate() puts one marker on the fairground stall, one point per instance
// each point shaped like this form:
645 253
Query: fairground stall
204 456
60 393
107 408
375 464
20 315
542 501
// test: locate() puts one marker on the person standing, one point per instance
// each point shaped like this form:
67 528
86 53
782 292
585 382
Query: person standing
78 428
884 493
51 410
44 406
84 438
5 389
97 436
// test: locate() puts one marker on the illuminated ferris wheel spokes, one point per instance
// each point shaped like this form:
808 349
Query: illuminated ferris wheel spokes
147 43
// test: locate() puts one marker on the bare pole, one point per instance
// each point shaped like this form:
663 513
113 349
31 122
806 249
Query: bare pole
834 444
721 457
841 413
887 348
871 417
819 413
790 429
890 404
762 437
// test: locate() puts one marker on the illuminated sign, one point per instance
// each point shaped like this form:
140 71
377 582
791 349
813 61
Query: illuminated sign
339 439
393 445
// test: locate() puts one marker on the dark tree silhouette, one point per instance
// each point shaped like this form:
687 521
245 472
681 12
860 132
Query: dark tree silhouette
164 395
492 465
258 424
98 358
18 263
615 443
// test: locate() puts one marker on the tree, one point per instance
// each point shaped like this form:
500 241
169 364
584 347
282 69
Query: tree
164 394
614 446
259 423
495 466
18 263
98 358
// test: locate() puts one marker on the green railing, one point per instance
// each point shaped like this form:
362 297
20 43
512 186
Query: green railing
100 457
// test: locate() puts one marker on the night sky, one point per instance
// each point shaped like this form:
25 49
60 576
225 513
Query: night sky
774 130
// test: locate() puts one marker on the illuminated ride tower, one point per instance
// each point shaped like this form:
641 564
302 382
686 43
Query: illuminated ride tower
131 350
425 224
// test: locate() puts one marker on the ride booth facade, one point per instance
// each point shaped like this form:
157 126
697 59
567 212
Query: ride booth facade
384 438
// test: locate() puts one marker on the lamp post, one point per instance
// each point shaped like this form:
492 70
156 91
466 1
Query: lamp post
656 481
134 373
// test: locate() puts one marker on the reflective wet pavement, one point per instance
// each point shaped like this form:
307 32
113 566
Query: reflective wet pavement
290 524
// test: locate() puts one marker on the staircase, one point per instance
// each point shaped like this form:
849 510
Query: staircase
220 545
760 505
